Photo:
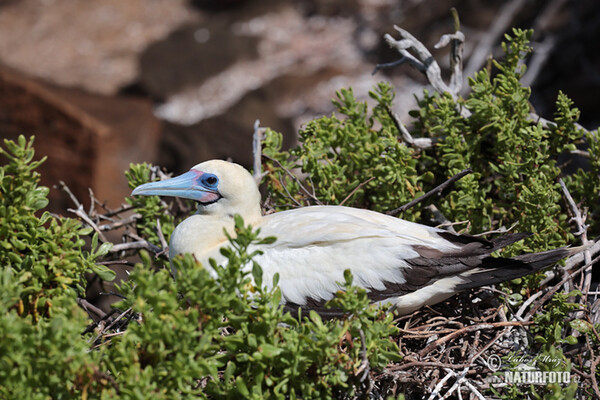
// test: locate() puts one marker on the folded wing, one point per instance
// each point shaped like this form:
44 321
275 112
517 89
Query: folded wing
404 263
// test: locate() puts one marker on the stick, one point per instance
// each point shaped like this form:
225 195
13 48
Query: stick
364 364
471 328
582 233
420 143
161 237
555 288
89 307
484 48
257 152
295 178
64 187
433 191
129 220
81 214
356 189
423 60
140 244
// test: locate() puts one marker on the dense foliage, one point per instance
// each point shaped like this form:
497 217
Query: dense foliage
197 336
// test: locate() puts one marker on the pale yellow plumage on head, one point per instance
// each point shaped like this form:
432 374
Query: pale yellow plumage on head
399 262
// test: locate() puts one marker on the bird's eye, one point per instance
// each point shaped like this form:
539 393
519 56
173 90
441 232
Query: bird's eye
210 180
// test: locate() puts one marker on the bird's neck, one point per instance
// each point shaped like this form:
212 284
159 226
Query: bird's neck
203 235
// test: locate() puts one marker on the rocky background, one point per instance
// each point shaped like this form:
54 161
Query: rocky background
102 83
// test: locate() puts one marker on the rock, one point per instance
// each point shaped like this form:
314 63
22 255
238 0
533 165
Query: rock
89 139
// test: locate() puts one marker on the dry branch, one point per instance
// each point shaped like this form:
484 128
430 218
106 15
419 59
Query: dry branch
438 189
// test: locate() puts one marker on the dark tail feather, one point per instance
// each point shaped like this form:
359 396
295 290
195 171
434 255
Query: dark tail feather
508 239
497 270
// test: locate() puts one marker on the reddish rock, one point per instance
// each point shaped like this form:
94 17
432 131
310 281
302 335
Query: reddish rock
89 139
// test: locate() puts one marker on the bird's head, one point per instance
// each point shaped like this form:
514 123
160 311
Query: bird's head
221 188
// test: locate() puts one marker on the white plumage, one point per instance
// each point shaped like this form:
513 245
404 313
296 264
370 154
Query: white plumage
404 263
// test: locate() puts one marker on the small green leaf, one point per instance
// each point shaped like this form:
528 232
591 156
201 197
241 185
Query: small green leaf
103 249
269 351
105 273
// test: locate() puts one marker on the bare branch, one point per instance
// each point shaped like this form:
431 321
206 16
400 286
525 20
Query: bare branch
364 365
420 143
416 53
423 61
257 138
485 47
356 189
161 237
541 52
582 233
140 244
90 308
433 191
295 178
65 188
555 288
547 123
118 224
471 328
81 214
93 200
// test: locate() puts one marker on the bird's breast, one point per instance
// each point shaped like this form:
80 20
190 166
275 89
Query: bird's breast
201 236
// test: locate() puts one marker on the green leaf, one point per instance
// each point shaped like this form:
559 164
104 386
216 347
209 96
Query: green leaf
269 351
105 273
103 249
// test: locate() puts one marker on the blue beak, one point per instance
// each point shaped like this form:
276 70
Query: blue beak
188 186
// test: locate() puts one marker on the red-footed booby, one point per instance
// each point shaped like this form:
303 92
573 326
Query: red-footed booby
403 263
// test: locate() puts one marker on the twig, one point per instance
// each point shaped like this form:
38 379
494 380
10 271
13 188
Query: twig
533 117
400 367
129 220
470 328
527 303
161 237
436 390
87 306
499 26
81 214
420 143
257 138
119 210
441 219
423 61
593 366
502 229
473 389
460 379
140 244
449 224
582 153
578 258
487 346
433 191
457 42
364 364
287 192
65 188
92 210
540 55
295 178
356 189
555 288
116 262
111 325
582 233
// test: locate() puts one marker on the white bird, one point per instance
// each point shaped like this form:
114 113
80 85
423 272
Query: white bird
403 263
